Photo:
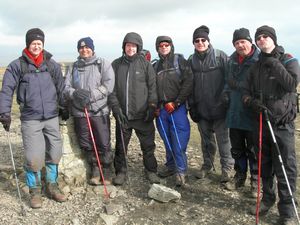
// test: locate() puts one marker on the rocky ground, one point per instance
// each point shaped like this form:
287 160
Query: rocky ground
203 202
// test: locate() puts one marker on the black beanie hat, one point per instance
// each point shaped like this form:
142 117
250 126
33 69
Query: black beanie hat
241 33
270 31
34 34
201 32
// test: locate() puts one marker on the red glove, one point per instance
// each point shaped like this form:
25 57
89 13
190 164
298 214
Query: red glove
170 107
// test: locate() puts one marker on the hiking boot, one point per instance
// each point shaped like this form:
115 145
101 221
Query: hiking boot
119 179
152 177
230 185
240 179
263 209
53 192
202 173
253 189
166 172
288 221
107 176
35 198
226 176
95 181
180 180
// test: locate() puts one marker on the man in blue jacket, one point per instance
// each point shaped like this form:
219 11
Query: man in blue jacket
39 83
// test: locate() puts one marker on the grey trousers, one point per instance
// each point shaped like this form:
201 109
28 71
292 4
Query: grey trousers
42 143
209 131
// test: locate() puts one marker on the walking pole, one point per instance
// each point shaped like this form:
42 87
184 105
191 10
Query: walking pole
96 152
177 138
23 212
169 146
124 149
259 168
282 165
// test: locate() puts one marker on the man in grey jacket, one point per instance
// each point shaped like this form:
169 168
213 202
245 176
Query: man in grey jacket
88 85
133 103
39 84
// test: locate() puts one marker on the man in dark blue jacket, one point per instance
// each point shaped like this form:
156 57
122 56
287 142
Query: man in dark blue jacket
39 83
239 118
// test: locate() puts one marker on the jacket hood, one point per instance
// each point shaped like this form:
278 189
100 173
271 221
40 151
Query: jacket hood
135 38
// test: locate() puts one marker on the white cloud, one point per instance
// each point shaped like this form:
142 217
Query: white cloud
65 21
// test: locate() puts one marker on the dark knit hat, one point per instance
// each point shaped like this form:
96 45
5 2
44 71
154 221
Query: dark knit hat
160 39
270 31
34 34
201 32
241 33
86 41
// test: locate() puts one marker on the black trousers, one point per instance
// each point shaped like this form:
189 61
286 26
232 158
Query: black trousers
242 150
101 131
271 166
145 132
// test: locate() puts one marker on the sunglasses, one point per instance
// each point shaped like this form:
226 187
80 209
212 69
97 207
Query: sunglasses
200 39
164 45
264 36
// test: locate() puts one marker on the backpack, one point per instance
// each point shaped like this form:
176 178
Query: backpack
217 54
175 63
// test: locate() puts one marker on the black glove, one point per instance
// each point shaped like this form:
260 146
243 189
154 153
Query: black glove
270 61
150 114
225 99
119 116
81 98
232 83
64 114
194 114
258 106
6 121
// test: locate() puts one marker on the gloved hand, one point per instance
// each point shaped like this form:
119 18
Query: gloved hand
194 114
225 99
81 98
170 107
64 114
258 106
119 116
270 61
6 121
150 113
232 83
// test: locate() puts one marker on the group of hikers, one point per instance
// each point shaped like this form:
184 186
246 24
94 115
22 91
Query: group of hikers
231 99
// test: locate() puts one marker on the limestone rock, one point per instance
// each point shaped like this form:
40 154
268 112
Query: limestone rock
163 194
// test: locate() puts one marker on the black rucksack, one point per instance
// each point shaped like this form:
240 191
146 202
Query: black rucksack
175 63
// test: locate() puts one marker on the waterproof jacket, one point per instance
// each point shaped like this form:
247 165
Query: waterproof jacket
135 86
209 73
174 79
275 84
38 91
238 116
96 75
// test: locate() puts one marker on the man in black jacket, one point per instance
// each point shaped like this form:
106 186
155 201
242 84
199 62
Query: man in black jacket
133 103
271 86
209 68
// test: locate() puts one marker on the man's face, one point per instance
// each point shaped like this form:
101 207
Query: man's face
85 52
164 48
201 44
243 47
265 43
35 48
130 49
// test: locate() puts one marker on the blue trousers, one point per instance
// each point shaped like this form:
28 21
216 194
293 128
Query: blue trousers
174 129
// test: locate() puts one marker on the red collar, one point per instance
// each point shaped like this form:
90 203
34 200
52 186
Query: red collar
241 58
36 60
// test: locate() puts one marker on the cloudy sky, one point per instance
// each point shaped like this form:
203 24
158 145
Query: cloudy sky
107 22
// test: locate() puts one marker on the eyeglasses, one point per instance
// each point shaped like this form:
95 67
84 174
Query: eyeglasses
164 45
264 36
200 39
